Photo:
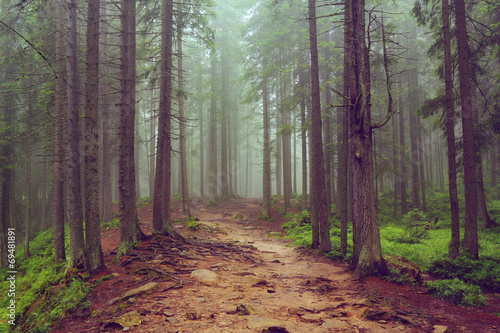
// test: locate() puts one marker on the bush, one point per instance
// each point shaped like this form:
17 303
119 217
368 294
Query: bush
457 291
484 273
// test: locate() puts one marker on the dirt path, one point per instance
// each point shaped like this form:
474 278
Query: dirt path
262 285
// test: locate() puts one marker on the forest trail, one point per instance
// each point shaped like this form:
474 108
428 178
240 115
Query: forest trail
262 285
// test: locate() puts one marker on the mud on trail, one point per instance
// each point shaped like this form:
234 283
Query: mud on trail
246 280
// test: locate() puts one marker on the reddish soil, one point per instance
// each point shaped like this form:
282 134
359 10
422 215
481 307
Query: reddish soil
296 290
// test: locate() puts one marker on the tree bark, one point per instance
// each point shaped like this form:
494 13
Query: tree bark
303 133
367 255
470 243
130 232
319 209
412 106
266 189
59 248
212 144
75 210
106 182
182 127
454 246
224 180
402 155
343 139
93 253
161 205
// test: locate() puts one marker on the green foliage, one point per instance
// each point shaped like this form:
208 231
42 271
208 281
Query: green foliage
193 225
457 291
400 278
484 273
422 253
212 203
494 209
416 229
114 223
142 202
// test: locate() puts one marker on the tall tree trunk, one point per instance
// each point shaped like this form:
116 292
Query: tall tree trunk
294 190
106 182
201 128
286 148
152 152
319 209
470 235
367 254
75 210
395 161
93 253
224 180
130 232
343 140
421 163
412 107
27 221
303 134
161 205
402 154
266 194
182 120
454 246
279 156
212 144
59 248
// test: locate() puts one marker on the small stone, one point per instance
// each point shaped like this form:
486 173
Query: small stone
192 316
129 319
382 321
243 309
205 277
440 328
172 320
247 228
254 280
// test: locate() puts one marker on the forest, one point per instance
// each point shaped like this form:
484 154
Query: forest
365 130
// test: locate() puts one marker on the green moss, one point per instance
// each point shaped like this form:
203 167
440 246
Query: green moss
41 288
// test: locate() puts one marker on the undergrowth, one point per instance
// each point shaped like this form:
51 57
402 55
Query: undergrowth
457 291
484 273
42 287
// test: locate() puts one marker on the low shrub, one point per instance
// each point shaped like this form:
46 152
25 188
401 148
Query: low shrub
457 291
484 273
